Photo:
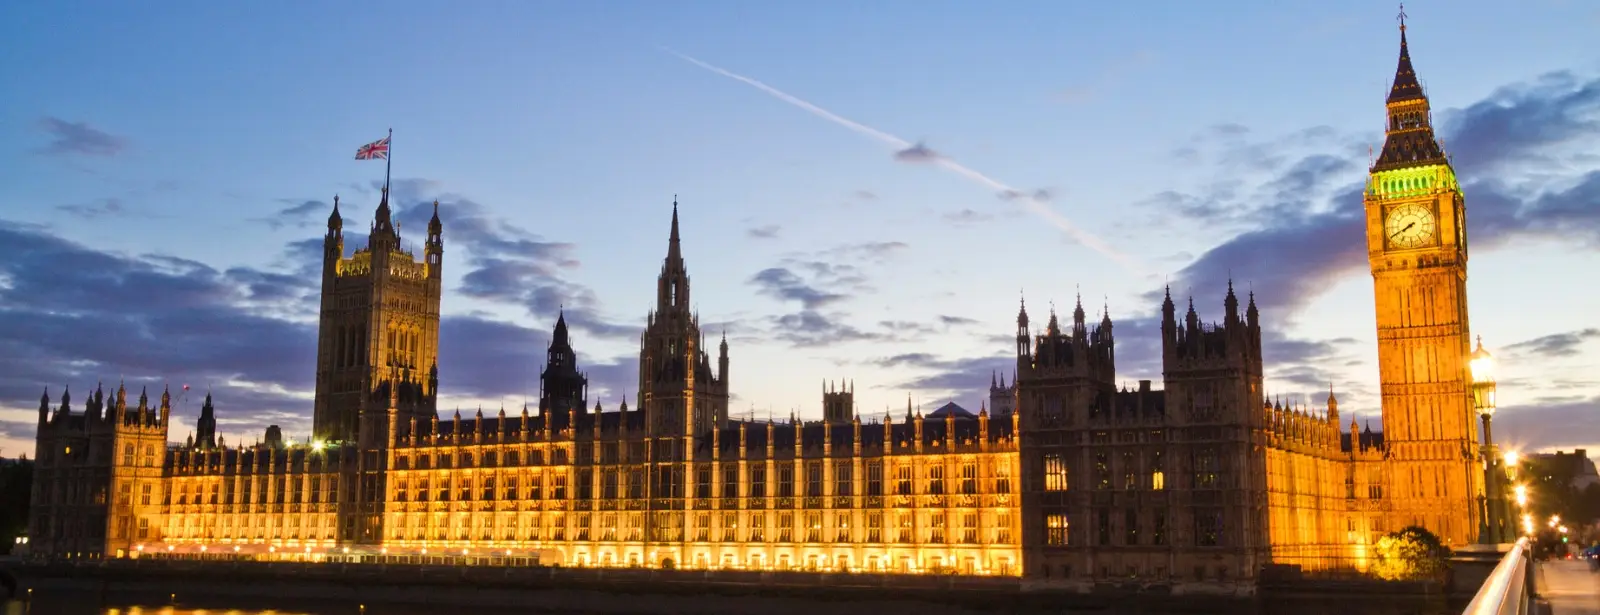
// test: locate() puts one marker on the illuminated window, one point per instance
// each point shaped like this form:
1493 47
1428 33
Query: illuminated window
1055 525
1102 471
1055 473
1158 480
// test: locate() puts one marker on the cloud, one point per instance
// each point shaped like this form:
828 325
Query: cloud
75 315
952 379
1308 205
17 430
787 286
483 358
866 195
1041 195
956 321
916 154
769 231
98 208
506 264
1556 344
875 251
79 138
298 214
967 216
1550 424
815 281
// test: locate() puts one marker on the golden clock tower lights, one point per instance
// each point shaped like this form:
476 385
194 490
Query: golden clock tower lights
1416 245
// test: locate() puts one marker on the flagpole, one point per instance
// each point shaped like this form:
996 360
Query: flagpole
388 162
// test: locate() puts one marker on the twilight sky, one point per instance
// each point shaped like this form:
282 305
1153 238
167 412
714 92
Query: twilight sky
864 189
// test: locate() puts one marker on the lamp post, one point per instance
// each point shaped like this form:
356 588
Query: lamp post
1483 392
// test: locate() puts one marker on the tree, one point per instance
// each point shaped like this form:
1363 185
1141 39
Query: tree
1413 553
16 488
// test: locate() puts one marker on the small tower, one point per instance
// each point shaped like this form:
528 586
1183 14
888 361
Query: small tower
837 402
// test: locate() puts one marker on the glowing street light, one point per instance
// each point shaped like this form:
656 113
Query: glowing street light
1481 365
1521 492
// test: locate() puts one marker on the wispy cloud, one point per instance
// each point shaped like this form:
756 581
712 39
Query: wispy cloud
916 152
769 231
95 209
79 138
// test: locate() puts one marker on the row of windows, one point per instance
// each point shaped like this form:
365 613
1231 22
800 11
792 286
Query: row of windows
1135 529
960 527
668 482
1151 474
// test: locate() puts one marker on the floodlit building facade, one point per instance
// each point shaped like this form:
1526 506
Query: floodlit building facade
1065 479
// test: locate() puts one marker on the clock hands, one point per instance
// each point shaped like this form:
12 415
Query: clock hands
1407 228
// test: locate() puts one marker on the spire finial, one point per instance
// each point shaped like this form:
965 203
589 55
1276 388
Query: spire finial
1402 17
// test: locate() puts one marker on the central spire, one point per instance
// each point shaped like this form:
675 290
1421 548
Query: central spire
672 291
674 253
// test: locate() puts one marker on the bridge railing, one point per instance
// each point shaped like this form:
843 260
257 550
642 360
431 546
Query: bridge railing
1509 589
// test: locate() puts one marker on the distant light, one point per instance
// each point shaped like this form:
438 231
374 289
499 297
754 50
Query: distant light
1511 458
317 445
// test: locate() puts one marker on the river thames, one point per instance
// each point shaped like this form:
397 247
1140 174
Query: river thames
82 604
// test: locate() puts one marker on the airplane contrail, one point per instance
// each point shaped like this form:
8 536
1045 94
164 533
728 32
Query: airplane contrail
1033 204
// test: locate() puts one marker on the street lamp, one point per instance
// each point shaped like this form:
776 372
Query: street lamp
1481 365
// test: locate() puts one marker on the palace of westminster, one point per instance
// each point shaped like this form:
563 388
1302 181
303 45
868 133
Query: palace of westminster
1064 479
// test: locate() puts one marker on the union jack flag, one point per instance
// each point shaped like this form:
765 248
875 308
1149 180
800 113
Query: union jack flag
376 150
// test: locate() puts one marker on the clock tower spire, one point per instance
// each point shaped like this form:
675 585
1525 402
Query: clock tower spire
1417 247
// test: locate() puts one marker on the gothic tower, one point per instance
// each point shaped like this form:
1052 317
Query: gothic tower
1417 246
378 335
563 390
681 395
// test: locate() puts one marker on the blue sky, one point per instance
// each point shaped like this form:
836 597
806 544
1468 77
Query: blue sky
166 168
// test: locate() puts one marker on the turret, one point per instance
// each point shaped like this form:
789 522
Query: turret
1022 332
1079 329
44 407
434 255
333 242
1230 305
383 238
166 405
722 360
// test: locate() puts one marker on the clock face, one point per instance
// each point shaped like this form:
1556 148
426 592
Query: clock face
1410 226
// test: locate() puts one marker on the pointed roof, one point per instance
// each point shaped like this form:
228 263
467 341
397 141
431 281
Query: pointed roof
951 409
559 338
1410 140
335 222
1405 85
674 253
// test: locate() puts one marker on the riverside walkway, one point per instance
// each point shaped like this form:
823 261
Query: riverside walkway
1570 587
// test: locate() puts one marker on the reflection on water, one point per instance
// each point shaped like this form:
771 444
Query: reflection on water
69 606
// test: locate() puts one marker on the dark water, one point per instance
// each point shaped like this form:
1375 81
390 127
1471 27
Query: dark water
69 604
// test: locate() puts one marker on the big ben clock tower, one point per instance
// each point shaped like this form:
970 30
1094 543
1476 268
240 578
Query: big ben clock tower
1417 245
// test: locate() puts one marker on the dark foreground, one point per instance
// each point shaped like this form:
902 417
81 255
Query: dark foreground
247 588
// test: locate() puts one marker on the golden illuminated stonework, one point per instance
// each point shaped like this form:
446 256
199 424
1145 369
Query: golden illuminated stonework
1066 480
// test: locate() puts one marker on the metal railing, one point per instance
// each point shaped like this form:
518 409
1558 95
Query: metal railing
1509 590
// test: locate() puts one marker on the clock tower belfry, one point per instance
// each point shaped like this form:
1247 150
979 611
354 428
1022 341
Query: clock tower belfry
1417 246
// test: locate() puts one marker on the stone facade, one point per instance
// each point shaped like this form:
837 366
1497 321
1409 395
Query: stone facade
1072 482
